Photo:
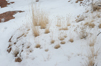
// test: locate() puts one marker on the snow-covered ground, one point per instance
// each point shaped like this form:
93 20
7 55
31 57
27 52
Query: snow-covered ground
84 50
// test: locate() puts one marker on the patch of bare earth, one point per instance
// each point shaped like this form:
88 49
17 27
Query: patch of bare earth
6 16
4 3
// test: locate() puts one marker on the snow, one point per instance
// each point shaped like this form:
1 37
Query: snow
69 54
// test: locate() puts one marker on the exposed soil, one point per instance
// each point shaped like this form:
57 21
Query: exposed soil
4 3
6 16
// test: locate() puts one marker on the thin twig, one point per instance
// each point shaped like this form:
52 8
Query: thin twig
98 33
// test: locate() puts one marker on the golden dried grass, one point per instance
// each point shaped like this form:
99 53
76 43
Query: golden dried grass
52 41
91 25
99 26
63 28
57 46
71 40
38 46
63 42
47 30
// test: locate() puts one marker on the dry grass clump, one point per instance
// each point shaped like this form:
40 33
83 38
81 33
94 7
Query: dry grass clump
71 40
80 18
90 61
96 6
38 46
63 42
35 31
65 36
83 32
68 20
68 24
52 41
91 57
57 46
18 59
28 47
99 26
46 50
47 30
93 52
63 28
43 22
91 25
39 18
34 17
61 38
37 0
86 24
9 50
58 22
91 44
16 52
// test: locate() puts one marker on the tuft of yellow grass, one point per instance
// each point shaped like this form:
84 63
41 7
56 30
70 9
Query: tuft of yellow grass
90 61
65 36
34 17
63 42
71 40
68 24
91 44
35 31
46 50
61 38
68 20
52 41
91 25
39 18
43 20
63 28
58 22
38 46
57 46
47 30
99 26
86 23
